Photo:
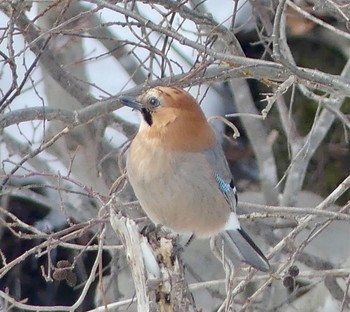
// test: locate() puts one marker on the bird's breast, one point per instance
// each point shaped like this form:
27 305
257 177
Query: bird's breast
176 189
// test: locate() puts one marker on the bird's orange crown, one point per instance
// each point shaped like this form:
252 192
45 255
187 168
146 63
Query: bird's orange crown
173 119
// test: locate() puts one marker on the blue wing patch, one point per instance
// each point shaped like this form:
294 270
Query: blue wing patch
229 190
223 186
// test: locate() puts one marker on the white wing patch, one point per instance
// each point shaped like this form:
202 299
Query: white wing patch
232 223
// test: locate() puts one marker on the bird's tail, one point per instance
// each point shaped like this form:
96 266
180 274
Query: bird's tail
250 252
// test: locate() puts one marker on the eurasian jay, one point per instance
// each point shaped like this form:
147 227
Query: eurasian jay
179 173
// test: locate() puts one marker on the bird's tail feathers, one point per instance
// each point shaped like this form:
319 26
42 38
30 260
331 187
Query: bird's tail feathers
250 252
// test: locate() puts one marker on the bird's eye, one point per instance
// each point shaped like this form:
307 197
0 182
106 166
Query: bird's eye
153 101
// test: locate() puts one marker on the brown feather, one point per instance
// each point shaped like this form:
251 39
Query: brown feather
178 123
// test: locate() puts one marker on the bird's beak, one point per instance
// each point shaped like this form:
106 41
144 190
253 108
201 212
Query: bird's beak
131 102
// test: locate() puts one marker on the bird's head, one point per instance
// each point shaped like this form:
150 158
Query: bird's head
174 116
163 105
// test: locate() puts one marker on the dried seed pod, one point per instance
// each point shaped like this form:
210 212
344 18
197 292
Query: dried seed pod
288 282
293 271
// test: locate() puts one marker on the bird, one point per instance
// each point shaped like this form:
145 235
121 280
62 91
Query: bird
179 173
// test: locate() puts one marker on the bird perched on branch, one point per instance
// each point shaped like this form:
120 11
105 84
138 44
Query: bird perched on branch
179 172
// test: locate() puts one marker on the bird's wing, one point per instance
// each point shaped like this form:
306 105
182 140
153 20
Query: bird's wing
222 174
245 245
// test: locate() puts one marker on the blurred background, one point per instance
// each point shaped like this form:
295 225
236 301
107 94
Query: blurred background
278 71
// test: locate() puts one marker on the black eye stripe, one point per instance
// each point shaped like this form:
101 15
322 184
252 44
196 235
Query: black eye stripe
147 116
